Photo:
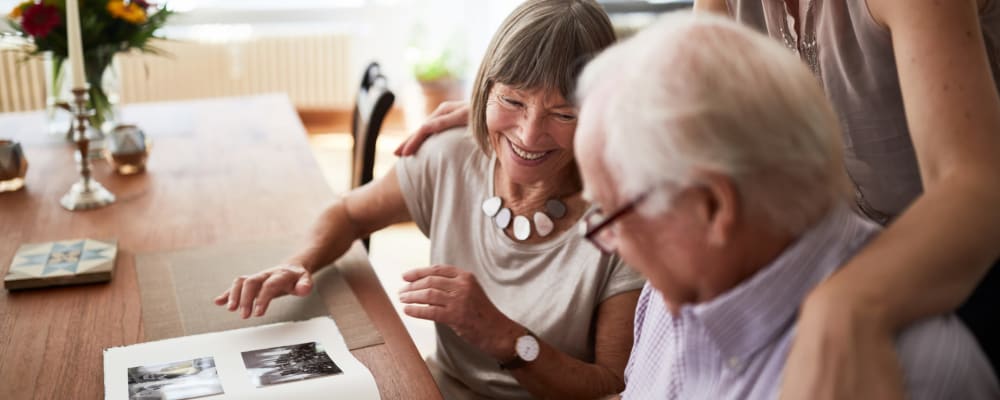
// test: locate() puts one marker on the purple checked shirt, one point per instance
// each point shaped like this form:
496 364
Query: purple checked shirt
734 346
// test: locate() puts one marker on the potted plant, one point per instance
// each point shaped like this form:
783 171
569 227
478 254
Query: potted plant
440 76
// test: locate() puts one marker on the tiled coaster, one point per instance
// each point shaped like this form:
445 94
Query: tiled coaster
67 262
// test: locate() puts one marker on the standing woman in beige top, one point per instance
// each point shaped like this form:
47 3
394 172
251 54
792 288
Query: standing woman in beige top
914 84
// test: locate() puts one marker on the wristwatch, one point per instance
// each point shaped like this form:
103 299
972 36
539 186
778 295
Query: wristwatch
526 350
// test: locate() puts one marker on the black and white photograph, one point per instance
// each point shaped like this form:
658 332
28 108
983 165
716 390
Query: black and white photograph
288 363
179 380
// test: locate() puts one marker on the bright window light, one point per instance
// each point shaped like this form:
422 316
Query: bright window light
188 5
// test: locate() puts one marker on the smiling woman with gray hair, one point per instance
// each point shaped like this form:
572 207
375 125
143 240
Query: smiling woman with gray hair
523 306
724 185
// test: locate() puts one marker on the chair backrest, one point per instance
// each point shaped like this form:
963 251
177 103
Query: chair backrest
371 106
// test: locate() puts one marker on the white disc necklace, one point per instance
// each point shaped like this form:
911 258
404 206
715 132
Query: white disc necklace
502 216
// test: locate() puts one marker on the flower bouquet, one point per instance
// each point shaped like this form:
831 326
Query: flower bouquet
108 27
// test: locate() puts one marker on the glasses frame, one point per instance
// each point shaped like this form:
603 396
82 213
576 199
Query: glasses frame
591 232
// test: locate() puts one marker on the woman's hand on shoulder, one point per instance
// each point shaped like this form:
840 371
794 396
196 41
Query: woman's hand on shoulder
252 294
452 296
449 114
841 350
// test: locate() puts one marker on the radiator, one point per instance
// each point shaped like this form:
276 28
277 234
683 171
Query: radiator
315 72
22 82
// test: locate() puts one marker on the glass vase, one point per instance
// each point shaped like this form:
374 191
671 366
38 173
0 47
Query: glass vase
104 94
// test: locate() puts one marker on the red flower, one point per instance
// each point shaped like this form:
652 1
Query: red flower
39 19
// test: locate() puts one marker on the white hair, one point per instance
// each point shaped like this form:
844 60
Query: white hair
701 92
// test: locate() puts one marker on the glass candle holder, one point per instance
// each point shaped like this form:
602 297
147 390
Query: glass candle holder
13 166
127 149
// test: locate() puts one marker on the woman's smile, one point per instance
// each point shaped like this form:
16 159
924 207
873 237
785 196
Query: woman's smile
525 157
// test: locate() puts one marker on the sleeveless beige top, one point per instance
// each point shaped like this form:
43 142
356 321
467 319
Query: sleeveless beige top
853 57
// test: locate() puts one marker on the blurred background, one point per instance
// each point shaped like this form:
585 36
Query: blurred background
313 50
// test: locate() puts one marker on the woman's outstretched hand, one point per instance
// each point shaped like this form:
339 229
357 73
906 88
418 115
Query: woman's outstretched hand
448 115
452 296
252 294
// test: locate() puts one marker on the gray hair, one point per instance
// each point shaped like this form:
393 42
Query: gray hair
543 44
701 92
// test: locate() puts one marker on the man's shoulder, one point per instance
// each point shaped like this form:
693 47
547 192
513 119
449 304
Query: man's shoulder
941 359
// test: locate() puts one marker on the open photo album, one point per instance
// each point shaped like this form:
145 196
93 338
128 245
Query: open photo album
301 360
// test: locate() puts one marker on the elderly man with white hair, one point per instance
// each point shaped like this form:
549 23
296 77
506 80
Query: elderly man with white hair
723 183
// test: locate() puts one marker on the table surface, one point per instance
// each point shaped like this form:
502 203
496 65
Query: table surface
220 171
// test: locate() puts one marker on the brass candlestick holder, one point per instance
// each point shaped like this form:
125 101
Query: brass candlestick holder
87 193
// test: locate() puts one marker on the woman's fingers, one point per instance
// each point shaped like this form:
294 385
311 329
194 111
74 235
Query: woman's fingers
455 118
234 293
431 296
412 144
448 115
252 295
399 150
222 298
433 313
304 285
447 107
432 281
286 279
269 290
251 288
446 271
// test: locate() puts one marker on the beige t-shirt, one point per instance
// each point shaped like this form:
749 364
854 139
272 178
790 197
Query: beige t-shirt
552 288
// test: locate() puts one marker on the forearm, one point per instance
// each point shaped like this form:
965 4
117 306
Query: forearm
932 256
358 214
332 236
556 375
452 296
928 260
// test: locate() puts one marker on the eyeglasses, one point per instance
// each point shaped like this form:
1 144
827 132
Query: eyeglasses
595 224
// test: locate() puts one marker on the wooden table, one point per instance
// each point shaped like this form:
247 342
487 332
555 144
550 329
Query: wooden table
220 171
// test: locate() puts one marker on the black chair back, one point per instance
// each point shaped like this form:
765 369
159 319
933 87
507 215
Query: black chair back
370 108
372 104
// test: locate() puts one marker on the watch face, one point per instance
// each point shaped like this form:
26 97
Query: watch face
527 348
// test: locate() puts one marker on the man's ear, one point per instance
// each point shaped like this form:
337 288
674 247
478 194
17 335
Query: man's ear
720 206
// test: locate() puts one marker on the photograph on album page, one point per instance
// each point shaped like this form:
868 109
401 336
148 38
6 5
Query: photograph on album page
288 363
187 379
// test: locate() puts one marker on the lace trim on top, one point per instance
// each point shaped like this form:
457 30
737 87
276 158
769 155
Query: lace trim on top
805 46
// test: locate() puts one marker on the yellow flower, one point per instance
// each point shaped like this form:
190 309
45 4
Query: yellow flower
130 12
19 9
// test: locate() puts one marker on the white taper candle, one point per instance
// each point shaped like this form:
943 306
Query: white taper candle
75 43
